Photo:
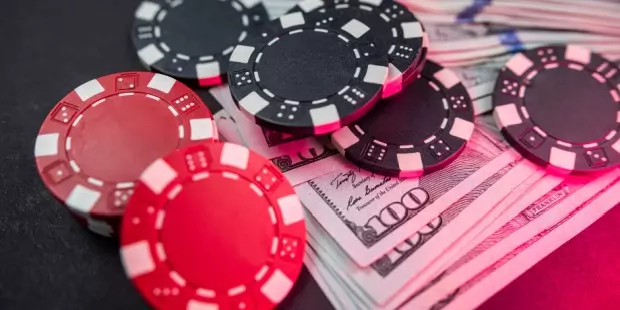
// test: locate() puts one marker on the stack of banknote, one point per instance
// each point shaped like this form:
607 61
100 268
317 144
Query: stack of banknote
480 222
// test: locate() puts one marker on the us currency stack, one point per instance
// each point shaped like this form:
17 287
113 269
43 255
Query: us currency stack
480 222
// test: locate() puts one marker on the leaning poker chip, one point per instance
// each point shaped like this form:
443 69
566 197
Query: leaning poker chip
415 132
107 227
213 226
191 40
96 141
307 79
559 106
400 35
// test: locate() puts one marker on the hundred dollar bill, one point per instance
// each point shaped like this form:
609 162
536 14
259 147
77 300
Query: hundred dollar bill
338 278
500 54
534 221
527 193
591 18
368 215
333 287
490 45
388 281
458 38
523 257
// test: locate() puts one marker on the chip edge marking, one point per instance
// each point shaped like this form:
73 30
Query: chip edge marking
325 116
462 129
201 305
376 74
147 10
447 78
519 64
201 129
253 103
241 54
291 20
162 83
277 286
208 70
82 198
410 164
355 28
578 54
412 30
235 156
150 54
137 258
506 115
562 159
616 146
158 175
290 209
89 90
344 138
310 5
46 145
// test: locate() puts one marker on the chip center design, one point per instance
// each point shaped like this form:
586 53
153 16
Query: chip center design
122 133
301 68
194 28
206 251
566 112
406 108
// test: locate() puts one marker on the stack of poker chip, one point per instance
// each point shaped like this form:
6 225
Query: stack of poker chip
137 155
97 140
357 71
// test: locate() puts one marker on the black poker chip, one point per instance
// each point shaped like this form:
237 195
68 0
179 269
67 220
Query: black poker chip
303 76
559 106
191 40
400 35
419 130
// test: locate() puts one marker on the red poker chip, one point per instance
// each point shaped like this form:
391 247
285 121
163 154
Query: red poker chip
213 226
97 140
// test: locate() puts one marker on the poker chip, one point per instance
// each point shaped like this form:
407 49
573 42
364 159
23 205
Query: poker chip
306 78
213 226
400 35
96 141
107 227
419 130
191 40
559 106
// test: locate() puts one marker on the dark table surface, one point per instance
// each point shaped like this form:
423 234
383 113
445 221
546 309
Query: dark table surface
48 261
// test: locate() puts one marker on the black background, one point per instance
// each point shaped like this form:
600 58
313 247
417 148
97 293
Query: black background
48 261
